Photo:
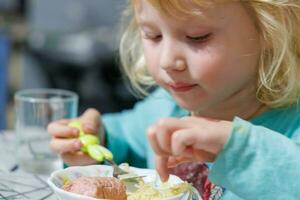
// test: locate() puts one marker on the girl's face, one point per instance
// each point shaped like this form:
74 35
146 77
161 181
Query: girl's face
207 62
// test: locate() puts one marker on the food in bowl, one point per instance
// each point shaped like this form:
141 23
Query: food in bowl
148 191
114 189
150 188
97 187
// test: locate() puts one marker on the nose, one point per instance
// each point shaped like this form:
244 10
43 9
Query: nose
171 57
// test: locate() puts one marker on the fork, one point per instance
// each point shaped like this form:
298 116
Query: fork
117 171
100 153
124 175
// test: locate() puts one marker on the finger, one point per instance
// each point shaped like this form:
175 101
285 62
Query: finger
191 119
182 139
197 120
162 168
193 155
151 132
60 146
90 120
187 143
204 156
64 121
77 158
61 130
165 129
173 161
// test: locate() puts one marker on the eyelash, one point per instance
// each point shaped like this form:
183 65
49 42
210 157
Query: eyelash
201 38
152 37
197 39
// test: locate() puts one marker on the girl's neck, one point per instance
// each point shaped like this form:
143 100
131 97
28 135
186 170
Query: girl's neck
228 114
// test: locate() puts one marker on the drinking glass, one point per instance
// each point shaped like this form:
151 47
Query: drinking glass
34 110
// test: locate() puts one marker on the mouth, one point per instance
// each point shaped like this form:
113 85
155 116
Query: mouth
181 87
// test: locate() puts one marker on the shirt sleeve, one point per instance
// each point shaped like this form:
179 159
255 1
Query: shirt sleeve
258 162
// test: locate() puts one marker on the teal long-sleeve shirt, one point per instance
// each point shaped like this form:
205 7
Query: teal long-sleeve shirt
261 159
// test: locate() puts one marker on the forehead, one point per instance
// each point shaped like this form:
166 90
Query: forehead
187 12
176 8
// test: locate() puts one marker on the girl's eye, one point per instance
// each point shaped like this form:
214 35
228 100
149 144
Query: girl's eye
152 36
201 38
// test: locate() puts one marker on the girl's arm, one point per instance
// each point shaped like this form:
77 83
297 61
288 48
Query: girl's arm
258 163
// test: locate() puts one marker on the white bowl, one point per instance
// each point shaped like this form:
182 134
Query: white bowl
57 178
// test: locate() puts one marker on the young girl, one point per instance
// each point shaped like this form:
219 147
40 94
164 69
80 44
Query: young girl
228 73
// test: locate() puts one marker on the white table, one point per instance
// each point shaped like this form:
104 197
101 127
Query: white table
15 183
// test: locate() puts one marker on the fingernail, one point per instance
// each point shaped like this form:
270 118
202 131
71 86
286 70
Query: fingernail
164 178
75 132
90 127
151 129
77 144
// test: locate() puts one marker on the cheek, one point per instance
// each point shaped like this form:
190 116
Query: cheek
153 71
207 67
152 60
218 67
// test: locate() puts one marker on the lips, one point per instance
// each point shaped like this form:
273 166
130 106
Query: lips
181 87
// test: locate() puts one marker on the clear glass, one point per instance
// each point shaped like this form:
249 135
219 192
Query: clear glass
34 110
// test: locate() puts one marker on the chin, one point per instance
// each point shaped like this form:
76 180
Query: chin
187 105
193 104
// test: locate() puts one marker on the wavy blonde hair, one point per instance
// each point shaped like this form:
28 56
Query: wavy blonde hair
277 21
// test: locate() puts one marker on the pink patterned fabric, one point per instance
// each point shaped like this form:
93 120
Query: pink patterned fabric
196 173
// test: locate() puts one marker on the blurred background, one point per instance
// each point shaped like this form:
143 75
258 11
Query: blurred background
69 44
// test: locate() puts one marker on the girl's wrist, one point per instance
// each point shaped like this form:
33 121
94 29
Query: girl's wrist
225 130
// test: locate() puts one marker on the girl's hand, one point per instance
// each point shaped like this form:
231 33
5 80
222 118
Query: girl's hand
187 139
65 140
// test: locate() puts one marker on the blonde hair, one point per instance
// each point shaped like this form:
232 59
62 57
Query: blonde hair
278 22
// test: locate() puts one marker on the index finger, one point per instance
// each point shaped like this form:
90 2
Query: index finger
60 129
165 129
162 167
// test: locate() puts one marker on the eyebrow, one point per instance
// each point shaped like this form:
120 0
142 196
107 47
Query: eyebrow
149 24
145 23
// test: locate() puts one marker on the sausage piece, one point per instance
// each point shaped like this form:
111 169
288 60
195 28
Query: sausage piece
98 187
